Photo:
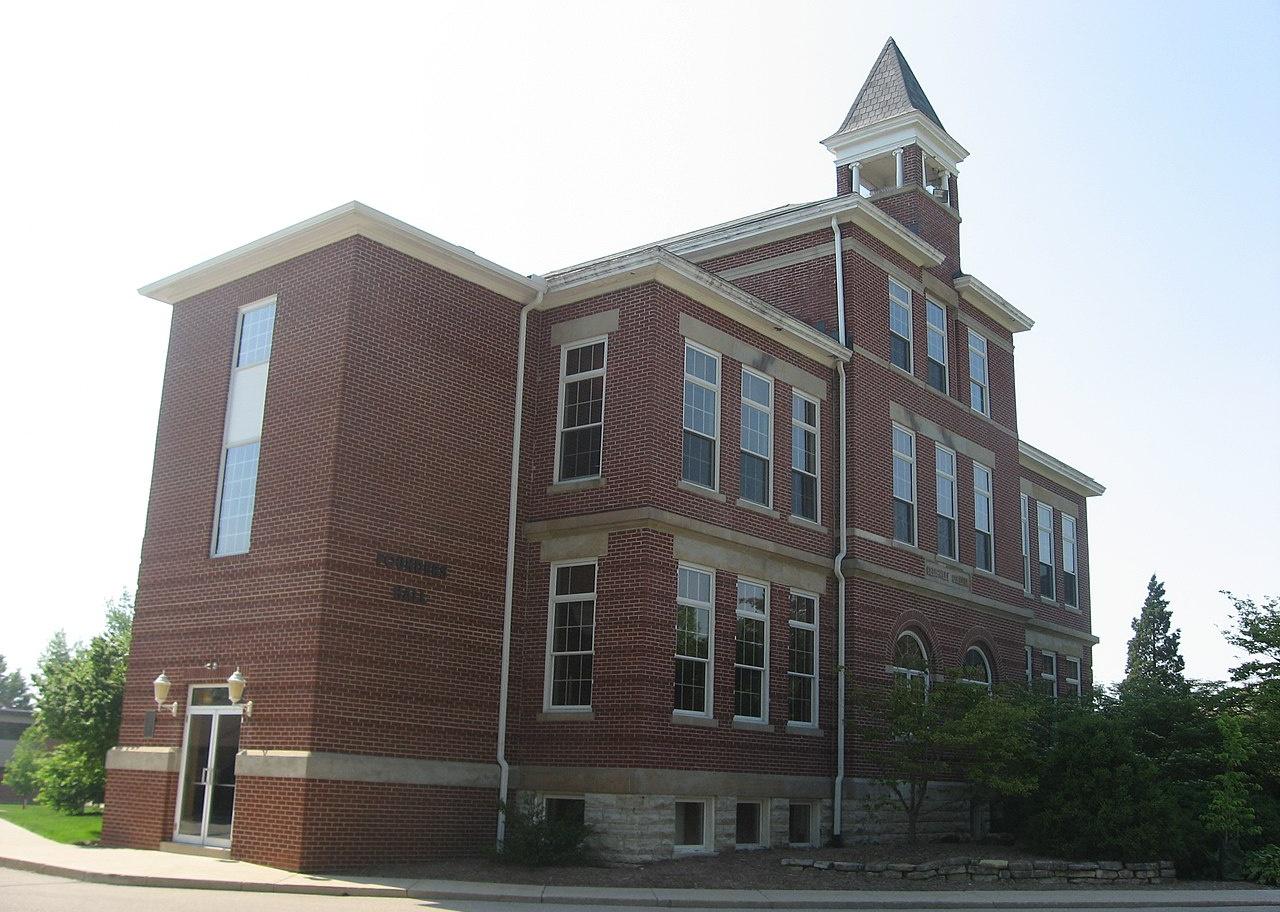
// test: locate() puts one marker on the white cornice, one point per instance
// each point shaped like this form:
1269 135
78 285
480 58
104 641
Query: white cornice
345 221
894 133
1070 478
991 304
657 265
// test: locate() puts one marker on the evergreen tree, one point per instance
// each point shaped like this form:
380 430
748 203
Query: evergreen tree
1155 650
13 688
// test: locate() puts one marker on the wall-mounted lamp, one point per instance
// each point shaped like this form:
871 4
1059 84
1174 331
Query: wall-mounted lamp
161 688
235 690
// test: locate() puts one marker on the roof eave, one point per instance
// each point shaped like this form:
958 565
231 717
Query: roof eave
893 132
347 220
1069 477
991 304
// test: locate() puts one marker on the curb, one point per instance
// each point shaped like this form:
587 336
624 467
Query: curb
680 899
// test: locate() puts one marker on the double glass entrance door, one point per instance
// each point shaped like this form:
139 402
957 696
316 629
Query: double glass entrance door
207 789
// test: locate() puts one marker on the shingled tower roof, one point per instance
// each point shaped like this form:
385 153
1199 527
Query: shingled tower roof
890 89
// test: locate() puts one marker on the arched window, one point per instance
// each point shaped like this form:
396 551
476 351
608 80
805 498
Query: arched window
976 668
910 661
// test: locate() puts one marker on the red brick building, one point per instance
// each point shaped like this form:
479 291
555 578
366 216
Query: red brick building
614 538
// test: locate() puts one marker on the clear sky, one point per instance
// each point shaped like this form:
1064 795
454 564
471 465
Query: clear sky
1122 188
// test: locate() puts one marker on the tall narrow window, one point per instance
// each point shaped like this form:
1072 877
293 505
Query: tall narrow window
983 516
979 388
1030 665
1049 673
804 457
1070 583
802 677
1044 542
976 668
1073 675
571 643
945 470
581 432
701 415
936 319
910 662
757 437
1026 549
246 402
904 485
900 325
751 661
694 634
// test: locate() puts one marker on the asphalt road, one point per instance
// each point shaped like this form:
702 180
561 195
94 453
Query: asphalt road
24 892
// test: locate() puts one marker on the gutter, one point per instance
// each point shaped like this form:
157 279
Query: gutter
837 798
504 769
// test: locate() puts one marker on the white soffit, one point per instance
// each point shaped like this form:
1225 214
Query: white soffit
345 221
910 127
991 304
1070 478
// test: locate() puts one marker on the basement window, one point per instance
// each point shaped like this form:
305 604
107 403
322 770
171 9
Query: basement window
749 831
566 810
692 826
800 821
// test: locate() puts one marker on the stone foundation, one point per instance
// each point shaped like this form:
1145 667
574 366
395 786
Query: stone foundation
985 870
873 814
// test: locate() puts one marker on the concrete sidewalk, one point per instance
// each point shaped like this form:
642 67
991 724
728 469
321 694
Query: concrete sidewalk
24 850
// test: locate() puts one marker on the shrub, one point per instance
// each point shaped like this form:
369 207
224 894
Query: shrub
22 771
533 838
1263 865
70 778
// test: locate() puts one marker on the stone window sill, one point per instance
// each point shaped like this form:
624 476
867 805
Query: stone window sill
695 721
751 725
799 728
807 524
578 484
701 491
757 508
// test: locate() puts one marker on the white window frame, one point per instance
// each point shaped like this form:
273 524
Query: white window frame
816 430
793 624
1051 677
990 495
709 706
1073 681
1070 555
708 827
814 814
552 601
768 413
915 486
602 373
986 663
946 353
979 342
762 823
763 618
927 675
1026 547
717 388
938 477
1043 529
229 444
910 337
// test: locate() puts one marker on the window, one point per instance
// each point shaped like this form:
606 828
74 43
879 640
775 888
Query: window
804 457
1044 523
976 668
566 810
983 540
757 436
693 641
749 829
802 676
1073 675
1070 585
701 415
246 401
904 485
751 658
1049 673
910 662
692 826
936 323
979 390
945 470
1030 666
571 638
900 326
1026 552
800 821
581 431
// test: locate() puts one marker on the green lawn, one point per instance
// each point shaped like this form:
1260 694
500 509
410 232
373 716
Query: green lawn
53 824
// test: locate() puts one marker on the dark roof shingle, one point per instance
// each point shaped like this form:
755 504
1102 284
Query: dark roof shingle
890 89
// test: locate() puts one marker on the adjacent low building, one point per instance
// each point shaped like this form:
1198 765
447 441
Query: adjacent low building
425 534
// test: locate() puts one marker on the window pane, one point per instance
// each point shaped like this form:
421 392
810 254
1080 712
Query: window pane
699 409
982 548
804 450
903 522
583 359
755 478
755 430
800 824
747 830
580 452
235 509
900 352
566 810
802 657
699 364
946 536
803 609
691 685
689 823
903 442
699 464
756 389
256 329
908 654
804 496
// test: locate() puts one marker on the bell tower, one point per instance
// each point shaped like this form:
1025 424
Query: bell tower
892 149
